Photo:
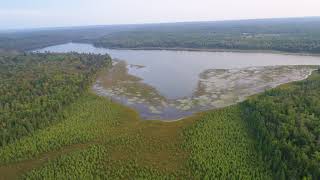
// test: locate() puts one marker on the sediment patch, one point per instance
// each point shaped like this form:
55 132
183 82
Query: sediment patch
216 88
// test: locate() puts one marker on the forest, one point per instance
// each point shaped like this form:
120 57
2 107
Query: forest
286 122
19 40
295 35
288 35
34 88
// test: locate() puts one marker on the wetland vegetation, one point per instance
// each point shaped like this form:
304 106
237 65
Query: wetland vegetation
216 88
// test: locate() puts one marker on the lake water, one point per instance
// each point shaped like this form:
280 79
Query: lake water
179 83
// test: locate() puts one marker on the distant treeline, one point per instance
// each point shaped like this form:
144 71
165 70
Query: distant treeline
39 38
286 124
289 35
35 87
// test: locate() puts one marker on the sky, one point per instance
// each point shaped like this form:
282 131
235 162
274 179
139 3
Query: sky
23 14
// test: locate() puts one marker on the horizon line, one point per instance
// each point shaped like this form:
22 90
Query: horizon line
147 23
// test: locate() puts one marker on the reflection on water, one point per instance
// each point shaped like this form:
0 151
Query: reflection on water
174 84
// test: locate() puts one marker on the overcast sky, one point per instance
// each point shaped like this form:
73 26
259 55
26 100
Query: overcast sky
56 13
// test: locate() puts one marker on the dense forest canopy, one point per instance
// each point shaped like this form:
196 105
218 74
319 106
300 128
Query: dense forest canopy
286 123
35 87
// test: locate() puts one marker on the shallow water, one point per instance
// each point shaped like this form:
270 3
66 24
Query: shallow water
174 84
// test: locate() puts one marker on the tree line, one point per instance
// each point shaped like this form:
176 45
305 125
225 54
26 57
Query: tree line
289 35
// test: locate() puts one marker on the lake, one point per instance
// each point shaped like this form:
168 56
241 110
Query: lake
168 85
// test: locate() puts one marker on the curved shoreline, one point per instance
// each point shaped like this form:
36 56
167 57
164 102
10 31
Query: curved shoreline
241 99
200 112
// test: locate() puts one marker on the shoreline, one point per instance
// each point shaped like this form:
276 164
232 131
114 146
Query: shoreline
243 98
211 50
186 49
200 112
